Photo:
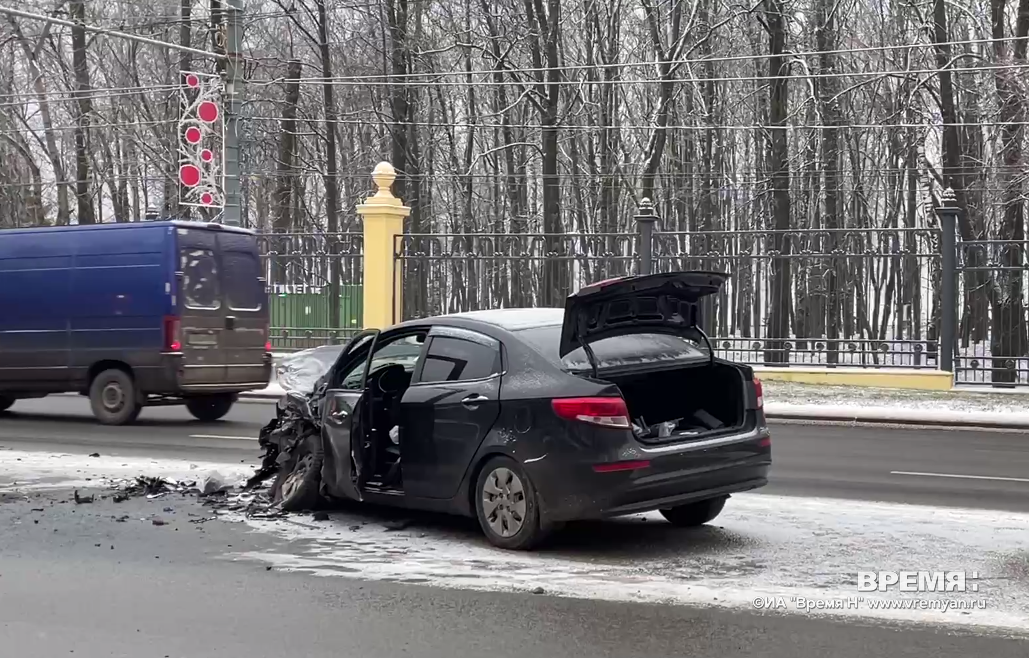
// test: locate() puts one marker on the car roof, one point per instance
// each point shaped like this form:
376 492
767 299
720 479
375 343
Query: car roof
509 319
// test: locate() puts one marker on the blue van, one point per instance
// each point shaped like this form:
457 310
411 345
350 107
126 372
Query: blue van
133 315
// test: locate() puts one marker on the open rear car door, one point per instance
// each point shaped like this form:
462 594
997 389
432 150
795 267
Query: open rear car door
343 422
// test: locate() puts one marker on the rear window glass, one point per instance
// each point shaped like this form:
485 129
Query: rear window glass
455 360
240 273
200 285
612 352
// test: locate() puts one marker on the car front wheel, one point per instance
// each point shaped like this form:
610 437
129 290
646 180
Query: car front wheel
507 506
695 514
211 407
298 485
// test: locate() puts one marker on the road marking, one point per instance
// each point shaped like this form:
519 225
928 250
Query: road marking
960 477
216 436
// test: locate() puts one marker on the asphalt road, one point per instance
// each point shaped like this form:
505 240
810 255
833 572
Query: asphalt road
957 468
78 582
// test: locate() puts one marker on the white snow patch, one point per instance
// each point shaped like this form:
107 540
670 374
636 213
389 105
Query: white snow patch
26 470
762 546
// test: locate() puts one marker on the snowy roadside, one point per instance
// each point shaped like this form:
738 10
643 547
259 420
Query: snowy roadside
766 552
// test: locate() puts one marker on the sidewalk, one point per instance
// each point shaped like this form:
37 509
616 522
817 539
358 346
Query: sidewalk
956 408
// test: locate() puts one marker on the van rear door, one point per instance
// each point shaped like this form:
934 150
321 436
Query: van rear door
202 308
245 300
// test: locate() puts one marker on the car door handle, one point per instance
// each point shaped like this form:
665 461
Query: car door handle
474 400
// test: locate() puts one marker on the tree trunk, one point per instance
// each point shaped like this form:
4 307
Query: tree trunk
1008 339
331 177
779 165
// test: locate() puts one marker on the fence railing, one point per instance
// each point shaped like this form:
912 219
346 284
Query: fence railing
839 297
314 285
874 297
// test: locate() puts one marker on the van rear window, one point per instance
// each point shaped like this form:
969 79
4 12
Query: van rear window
240 274
200 285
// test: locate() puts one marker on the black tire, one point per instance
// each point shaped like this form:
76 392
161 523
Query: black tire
530 533
5 403
114 398
297 487
210 407
695 514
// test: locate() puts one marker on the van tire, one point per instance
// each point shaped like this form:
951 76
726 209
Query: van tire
114 398
210 407
5 403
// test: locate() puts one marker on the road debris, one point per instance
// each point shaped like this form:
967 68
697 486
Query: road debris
158 521
80 500
94 454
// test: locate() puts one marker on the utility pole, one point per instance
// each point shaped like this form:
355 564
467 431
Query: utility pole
232 215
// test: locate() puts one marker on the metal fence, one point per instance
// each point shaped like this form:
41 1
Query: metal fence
989 313
880 297
314 285
840 297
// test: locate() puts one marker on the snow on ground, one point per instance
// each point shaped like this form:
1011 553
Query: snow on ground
788 393
23 470
763 547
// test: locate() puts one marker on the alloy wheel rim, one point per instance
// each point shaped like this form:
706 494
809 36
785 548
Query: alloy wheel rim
503 502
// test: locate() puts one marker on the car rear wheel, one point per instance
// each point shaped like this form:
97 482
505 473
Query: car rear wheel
210 407
5 403
507 506
695 514
298 484
113 398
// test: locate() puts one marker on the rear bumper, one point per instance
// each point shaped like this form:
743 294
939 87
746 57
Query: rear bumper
675 477
167 378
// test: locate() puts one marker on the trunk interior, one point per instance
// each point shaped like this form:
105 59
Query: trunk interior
685 403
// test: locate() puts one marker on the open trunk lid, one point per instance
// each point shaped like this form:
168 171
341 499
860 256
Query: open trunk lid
665 303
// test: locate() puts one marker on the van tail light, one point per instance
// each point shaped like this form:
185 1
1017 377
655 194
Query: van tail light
172 333
268 346
759 391
604 412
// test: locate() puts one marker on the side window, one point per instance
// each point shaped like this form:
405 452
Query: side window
241 272
403 351
456 359
200 285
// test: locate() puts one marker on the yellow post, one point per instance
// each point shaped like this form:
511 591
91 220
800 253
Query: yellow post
383 216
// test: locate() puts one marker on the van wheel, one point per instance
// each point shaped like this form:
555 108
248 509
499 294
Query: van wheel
113 397
694 514
210 407
5 403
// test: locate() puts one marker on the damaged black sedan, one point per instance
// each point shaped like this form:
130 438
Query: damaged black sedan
528 418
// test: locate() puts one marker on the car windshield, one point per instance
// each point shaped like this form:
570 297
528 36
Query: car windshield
612 352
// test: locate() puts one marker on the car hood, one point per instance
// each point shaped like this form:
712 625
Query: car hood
299 372
663 303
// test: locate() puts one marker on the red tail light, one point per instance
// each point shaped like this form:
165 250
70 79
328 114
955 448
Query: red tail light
268 346
759 390
172 333
605 412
